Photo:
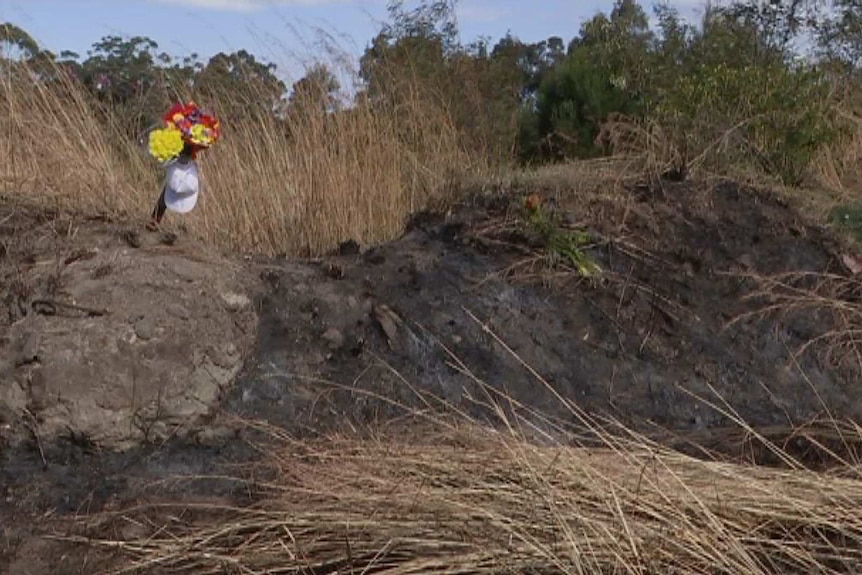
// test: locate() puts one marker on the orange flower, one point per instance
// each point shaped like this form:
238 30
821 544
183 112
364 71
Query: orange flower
533 202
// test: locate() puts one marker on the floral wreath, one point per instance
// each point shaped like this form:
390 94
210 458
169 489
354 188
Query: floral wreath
187 129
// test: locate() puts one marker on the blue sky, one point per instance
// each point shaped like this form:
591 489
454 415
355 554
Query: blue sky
280 31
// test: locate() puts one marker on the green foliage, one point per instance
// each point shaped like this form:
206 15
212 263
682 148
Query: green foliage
602 75
779 116
728 90
562 246
16 43
573 103
240 84
848 218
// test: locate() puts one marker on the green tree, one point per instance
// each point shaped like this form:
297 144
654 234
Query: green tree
16 44
240 84
839 35
604 73
133 79
317 91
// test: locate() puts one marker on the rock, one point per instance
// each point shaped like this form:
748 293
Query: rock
158 431
235 301
38 391
133 238
215 436
348 248
133 531
334 338
224 356
12 397
155 367
145 328
27 349
389 322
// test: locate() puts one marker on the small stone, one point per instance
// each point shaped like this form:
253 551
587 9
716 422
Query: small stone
224 356
235 301
388 321
27 350
134 531
216 436
334 338
158 431
132 238
746 261
145 328
38 392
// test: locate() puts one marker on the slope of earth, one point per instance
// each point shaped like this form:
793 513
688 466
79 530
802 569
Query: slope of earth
463 309
150 345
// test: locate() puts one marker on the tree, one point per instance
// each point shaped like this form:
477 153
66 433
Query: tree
605 72
778 22
16 44
316 91
119 70
240 84
839 34
133 79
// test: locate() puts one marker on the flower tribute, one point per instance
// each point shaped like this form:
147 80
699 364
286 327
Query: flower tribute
187 129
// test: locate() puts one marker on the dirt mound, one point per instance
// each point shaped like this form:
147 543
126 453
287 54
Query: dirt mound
112 338
651 342
715 305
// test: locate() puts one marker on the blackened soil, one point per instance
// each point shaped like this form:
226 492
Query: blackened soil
651 342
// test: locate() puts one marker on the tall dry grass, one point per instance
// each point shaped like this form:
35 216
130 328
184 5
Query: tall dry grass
56 151
297 187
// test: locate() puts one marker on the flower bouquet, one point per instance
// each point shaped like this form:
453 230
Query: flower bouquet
187 130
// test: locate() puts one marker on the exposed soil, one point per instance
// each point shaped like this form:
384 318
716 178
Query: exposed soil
140 379
110 340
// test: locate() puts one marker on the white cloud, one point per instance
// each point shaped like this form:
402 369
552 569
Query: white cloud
243 5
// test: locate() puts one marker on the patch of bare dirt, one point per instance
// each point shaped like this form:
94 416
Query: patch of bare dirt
113 337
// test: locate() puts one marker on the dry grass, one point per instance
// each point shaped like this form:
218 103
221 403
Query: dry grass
270 186
470 501
54 152
831 297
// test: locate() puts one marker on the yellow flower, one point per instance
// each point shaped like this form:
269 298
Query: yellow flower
165 144
201 135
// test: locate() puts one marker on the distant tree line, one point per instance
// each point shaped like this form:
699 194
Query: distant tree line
738 76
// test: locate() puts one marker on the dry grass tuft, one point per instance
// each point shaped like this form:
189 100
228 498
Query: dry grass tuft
271 186
474 502
836 299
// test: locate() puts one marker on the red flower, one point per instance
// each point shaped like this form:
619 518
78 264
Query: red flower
185 116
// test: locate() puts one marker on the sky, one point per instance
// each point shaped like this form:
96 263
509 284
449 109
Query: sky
284 32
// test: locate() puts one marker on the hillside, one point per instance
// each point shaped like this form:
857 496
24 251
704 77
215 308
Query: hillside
462 319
